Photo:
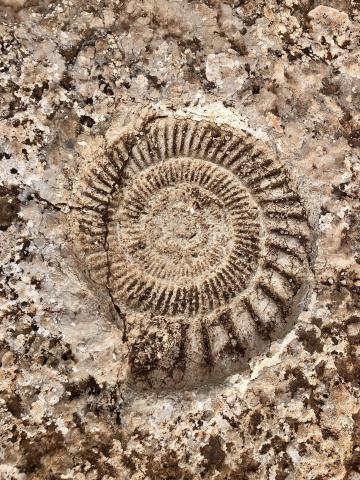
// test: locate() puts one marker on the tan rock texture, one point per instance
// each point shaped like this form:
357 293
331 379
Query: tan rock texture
179 240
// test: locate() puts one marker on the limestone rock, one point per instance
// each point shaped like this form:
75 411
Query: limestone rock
180 241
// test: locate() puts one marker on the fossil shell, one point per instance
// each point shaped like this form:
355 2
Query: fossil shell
202 241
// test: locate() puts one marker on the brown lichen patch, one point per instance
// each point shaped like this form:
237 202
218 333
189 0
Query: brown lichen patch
167 468
35 450
9 207
288 74
213 453
310 339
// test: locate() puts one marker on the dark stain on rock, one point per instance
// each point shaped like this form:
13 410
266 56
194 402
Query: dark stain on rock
254 423
88 386
167 469
39 90
278 444
354 138
9 207
87 121
214 455
348 367
309 339
13 404
284 467
248 466
298 382
96 453
35 449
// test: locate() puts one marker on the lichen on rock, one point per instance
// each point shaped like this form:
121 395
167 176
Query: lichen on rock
180 243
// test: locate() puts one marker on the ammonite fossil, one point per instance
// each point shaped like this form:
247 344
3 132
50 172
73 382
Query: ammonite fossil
202 242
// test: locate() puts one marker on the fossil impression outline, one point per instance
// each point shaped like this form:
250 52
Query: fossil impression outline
183 218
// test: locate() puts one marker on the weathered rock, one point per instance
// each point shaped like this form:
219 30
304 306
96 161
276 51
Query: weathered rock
180 241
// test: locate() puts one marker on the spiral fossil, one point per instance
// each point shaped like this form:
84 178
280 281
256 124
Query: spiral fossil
195 230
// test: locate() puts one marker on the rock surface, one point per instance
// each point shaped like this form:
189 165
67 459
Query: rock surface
163 374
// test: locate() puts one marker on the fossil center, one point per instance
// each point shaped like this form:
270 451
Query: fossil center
185 226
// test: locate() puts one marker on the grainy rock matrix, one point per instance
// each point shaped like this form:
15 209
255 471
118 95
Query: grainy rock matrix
88 386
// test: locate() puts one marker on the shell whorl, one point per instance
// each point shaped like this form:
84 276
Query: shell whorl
186 219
